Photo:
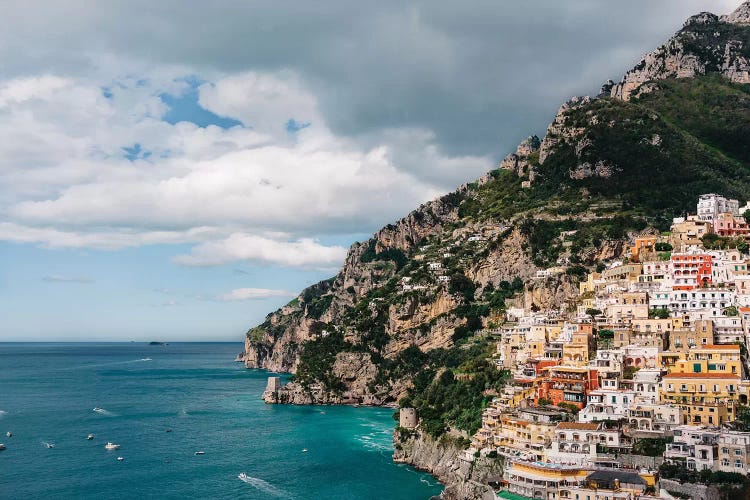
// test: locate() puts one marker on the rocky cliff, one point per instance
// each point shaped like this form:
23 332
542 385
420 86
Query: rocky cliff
707 43
465 475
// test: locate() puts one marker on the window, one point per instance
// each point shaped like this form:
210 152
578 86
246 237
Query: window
738 452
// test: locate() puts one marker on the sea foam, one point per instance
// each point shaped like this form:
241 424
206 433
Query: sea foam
265 487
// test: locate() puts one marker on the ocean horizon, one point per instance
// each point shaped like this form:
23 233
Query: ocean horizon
164 403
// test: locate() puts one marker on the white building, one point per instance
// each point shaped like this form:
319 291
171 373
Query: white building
711 301
606 404
734 452
576 442
658 419
645 384
711 205
694 446
728 330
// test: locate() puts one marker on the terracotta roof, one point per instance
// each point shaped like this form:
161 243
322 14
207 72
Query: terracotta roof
733 347
581 426
702 375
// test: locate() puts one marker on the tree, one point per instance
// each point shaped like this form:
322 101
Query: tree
593 312
732 311
743 417
659 313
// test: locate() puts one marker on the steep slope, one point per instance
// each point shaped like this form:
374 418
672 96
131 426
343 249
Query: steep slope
407 316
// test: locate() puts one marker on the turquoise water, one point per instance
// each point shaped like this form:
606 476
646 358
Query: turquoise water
48 392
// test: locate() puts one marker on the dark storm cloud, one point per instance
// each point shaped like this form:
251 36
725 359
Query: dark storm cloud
481 74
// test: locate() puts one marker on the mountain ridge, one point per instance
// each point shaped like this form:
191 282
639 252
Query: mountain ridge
406 300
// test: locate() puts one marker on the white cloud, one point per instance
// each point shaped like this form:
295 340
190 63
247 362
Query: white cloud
262 101
65 183
305 253
254 294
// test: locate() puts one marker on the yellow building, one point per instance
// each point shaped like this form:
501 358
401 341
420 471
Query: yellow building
724 359
543 481
688 233
576 353
591 285
683 339
629 307
704 398
627 272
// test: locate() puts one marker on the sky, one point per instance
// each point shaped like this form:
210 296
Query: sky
176 171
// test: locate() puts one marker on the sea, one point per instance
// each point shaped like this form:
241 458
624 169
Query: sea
162 404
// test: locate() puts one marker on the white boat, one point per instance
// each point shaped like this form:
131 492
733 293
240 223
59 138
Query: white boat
90 437
9 434
96 408
243 476
49 445
200 452
111 446
304 450
120 459
2 446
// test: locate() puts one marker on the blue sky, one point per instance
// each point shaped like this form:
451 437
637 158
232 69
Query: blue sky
177 174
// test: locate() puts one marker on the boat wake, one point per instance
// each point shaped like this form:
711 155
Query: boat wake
113 363
374 442
3 413
264 486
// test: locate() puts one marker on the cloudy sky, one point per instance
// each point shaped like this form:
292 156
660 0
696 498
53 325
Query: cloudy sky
176 170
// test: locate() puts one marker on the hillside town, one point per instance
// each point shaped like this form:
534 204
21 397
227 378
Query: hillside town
650 370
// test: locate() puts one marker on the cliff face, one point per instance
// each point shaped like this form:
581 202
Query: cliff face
465 476
706 44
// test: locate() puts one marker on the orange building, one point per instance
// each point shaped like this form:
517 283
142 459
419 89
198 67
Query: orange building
567 384
642 246
691 270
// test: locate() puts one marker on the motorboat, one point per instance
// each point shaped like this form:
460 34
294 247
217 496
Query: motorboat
120 459
96 408
111 446
243 476
304 450
90 437
9 434
2 446
49 445
200 452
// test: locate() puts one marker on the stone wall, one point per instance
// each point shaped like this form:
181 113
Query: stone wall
694 491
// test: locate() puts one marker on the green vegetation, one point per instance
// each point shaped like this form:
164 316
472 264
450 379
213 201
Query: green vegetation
316 361
658 313
678 471
496 297
449 391
651 447
392 254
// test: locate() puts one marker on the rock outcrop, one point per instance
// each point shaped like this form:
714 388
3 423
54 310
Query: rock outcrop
706 44
523 161
740 16
465 476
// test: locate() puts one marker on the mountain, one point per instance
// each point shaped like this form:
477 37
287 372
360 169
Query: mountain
405 318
